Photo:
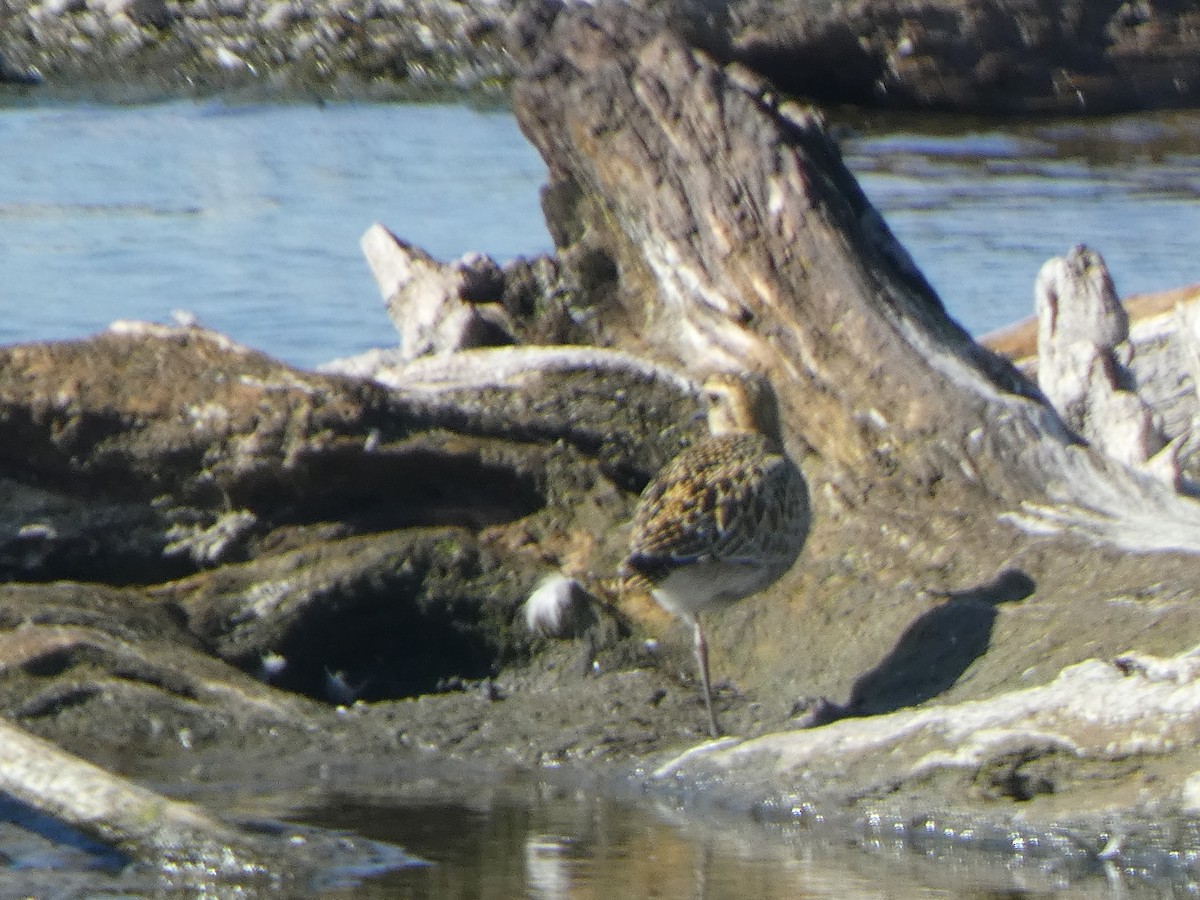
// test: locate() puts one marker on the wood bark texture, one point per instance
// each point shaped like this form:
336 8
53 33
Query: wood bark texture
740 240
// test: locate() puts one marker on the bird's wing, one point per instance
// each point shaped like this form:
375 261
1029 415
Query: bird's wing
702 503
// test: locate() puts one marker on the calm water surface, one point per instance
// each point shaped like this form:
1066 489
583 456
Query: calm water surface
981 206
548 844
249 217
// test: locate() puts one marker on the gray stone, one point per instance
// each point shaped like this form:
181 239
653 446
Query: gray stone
152 13
12 75
63 7
233 8
282 15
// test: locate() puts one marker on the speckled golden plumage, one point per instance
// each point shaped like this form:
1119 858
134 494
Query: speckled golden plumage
725 518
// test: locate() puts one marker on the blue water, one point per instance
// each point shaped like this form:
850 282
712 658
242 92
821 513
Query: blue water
980 208
249 216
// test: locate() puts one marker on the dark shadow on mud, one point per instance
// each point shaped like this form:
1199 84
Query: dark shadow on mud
937 648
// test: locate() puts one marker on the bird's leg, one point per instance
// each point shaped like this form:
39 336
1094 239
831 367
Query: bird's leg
702 661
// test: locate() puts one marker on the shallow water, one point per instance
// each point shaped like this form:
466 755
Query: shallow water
542 841
249 216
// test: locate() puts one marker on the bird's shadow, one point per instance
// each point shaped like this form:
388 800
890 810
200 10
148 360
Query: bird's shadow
936 649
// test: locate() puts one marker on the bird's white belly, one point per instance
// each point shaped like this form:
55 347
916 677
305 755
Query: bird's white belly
690 589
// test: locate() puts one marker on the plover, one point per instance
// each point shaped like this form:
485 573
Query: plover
725 518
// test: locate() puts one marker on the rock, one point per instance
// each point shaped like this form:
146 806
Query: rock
396 614
940 54
63 7
281 15
212 543
350 47
230 61
70 645
151 13
12 75
437 308
233 8
559 607
287 511
945 54
68 533
147 428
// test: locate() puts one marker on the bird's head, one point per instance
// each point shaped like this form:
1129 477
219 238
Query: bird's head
741 403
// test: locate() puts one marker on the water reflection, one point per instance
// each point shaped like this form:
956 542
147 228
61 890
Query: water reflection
544 842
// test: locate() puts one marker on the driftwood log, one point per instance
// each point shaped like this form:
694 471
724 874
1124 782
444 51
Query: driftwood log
740 239
139 822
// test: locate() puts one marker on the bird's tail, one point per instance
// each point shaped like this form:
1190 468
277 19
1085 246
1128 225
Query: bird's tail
633 576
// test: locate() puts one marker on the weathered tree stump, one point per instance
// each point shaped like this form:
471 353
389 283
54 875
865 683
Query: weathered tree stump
739 239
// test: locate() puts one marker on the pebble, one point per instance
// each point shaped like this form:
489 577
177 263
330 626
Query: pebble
559 607
63 7
152 13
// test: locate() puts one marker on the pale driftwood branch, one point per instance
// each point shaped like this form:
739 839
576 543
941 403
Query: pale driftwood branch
138 822
1150 705
1186 319
1083 363
1165 366
437 308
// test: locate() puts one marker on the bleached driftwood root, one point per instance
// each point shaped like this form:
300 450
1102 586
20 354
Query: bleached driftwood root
1083 363
437 308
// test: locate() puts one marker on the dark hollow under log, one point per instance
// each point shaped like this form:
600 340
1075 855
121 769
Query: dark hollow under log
740 239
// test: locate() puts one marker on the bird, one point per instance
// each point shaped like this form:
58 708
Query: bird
724 519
